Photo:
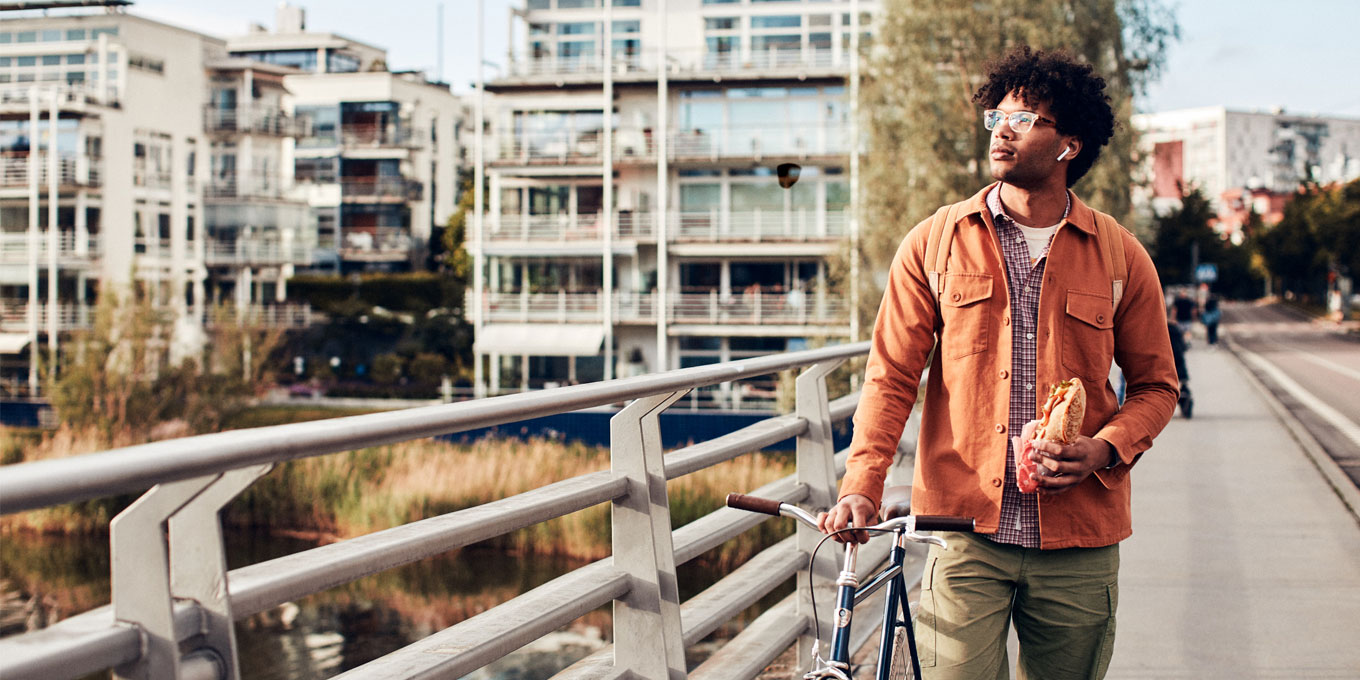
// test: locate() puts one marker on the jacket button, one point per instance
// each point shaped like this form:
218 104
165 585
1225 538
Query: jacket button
956 297
1005 321
1100 318
1005 374
996 481
1000 428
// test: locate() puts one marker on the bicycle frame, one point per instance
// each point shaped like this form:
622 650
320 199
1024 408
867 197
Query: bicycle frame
896 608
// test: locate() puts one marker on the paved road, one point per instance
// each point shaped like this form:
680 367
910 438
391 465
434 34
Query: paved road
1244 563
1311 367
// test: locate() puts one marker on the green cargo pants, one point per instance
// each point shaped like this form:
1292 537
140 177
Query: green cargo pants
1062 602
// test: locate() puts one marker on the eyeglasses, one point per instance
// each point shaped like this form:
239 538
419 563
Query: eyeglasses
1020 121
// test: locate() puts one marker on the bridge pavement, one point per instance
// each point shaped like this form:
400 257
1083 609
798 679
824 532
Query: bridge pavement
1244 562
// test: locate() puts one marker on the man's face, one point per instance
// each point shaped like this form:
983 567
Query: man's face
1029 159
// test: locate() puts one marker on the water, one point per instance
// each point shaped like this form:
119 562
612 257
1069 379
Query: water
44 579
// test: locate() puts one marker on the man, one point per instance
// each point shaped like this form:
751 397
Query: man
1026 300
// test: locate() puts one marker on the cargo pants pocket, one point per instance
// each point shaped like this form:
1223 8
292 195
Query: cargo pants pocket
925 616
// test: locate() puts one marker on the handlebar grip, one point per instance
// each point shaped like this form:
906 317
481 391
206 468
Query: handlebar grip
943 523
752 503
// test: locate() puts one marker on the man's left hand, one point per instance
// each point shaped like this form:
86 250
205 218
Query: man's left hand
1063 466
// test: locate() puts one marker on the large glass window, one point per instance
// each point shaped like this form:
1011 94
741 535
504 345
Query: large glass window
318 170
700 197
320 125
777 21
299 59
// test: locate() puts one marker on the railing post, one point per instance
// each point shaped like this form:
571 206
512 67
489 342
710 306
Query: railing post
198 562
647 632
817 471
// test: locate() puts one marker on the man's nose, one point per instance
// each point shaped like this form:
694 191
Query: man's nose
1003 130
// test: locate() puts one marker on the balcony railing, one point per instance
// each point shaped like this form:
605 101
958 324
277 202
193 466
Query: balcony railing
71 171
377 136
289 315
14 247
564 228
793 60
375 243
757 225
398 189
235 188
67 95
244 251
250 119
757 308
739 141
70 316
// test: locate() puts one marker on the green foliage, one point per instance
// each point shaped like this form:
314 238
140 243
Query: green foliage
926 143
1320 230
1177 233
357 294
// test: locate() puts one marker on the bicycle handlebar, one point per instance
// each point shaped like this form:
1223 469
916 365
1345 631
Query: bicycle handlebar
910 522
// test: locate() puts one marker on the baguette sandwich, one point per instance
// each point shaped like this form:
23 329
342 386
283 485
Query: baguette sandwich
1059 421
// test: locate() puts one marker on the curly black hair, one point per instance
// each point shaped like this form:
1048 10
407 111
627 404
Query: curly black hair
1071 89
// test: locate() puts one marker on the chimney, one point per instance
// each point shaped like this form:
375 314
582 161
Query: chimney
289 19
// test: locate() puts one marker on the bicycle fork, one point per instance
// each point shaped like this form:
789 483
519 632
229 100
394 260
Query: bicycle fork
897 600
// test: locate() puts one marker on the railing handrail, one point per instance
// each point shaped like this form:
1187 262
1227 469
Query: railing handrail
28 486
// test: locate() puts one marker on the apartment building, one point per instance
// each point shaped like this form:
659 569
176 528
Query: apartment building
634 222
209 170
1260 155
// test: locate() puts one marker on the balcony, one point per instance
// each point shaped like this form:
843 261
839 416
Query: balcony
69 316
75 97
758 308
699 64
709 308
286 316
380 189
375 244
757 226
567 228
72 171
71 250
568 307
250 120
378 136
234 188
250 251
631 145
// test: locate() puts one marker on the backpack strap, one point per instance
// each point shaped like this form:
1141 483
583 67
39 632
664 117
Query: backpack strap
937 247
1112 249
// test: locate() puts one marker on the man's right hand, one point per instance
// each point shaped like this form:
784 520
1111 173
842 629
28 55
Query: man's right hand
853 510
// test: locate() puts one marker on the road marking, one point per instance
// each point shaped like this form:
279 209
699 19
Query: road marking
1331 415
1308 356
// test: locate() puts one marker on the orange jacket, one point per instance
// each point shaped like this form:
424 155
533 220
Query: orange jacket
961 454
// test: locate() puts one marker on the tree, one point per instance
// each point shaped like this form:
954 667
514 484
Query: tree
1185 236
925 139
1320 232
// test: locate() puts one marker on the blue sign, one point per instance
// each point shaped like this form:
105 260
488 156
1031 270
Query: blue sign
1206 273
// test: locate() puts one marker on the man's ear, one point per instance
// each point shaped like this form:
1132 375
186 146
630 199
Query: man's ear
1074 146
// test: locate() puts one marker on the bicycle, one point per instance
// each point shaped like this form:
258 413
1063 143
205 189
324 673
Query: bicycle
897 658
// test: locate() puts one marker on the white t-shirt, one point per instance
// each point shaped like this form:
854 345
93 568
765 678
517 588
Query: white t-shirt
1037 239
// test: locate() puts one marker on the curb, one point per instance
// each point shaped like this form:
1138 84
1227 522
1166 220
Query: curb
1342 485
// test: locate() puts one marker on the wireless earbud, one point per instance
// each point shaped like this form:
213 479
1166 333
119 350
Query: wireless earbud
1064 153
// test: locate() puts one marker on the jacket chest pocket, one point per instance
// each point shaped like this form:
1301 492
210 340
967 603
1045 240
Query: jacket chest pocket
964 314
1088 335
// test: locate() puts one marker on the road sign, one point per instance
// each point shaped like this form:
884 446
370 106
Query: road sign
1206 273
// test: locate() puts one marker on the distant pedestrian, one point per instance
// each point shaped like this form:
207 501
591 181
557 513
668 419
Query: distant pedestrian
1210 318
1184 308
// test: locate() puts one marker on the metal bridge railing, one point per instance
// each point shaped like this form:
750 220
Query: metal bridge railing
171 590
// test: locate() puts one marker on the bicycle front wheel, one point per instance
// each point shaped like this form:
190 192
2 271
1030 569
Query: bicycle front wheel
901 657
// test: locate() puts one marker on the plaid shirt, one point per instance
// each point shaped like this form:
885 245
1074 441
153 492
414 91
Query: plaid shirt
1024 278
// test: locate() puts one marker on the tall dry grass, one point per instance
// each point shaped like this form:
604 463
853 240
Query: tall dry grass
358 492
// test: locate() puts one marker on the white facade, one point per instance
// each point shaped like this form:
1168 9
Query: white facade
1220 149
692 253
202 168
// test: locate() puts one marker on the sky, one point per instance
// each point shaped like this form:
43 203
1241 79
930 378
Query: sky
1302 56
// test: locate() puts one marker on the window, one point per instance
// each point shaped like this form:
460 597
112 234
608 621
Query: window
720 23
25 61
111 31
539 4
777 21
316 170
51 59
75 59
576 28
627 3
6 37
540 29
5 61
75 34
51 35
721 2
26 36
633 26
575 4
340 62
